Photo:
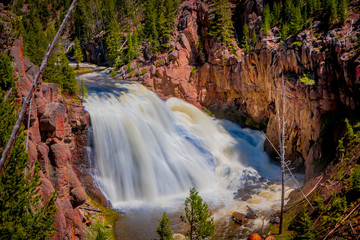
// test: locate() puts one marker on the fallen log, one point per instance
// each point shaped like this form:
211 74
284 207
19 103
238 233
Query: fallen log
90 209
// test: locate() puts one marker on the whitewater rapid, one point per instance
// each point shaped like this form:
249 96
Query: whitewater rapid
145 150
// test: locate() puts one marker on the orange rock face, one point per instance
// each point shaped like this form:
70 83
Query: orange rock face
250 85
53 144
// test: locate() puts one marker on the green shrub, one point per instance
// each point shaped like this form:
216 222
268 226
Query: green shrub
159 63
140 73
304 228
356 179
306 80
193 70
296 44
163 229
6 72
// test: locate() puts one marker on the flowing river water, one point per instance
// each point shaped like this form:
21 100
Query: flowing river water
147 153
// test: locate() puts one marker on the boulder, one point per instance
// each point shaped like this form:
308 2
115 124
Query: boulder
52 122
239 218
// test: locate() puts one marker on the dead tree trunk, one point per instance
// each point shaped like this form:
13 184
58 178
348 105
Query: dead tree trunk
36 82
282 152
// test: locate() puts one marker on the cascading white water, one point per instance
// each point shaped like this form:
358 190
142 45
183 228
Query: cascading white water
146 149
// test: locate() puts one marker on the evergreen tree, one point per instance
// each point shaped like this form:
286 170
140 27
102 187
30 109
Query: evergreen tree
310 9
276 13
35 41
163 29
114 42
22 216
332 10
78 53
83 90
343 10
150 19
58 71
304 229
295 21
254 38
266 19
220 21
163 229
245 40
6 72
198 216
284 31
69 82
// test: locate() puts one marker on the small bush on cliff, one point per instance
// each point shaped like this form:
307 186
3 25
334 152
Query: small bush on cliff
163 229
198 216
307 80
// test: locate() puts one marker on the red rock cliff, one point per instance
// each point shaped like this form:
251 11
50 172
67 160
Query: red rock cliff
249 85
57 137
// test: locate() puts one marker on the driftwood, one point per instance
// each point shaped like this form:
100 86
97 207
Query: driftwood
252 211
90 209
8 94
36 82
338 224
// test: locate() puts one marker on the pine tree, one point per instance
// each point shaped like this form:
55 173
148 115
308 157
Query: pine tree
198 216
58 71
276 13
83 90
6 72
22 216
78 53
332 10
310 9
220 21
245 39
150 19
35 41
284 31
343 10
266 19
69 84
295 21
304 228
114 42
254 38
163 229
163 29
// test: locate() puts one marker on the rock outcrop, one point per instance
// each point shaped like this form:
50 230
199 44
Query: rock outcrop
57 139
250 85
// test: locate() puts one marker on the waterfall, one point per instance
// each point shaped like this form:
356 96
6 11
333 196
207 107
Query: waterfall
145 149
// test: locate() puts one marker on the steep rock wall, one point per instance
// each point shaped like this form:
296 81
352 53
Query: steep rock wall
57 139
250 85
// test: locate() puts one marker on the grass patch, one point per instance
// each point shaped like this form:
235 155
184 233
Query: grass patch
98 229
207 111
83 70
140 73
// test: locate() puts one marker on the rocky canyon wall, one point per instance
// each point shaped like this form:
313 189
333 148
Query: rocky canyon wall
250 85
57 139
